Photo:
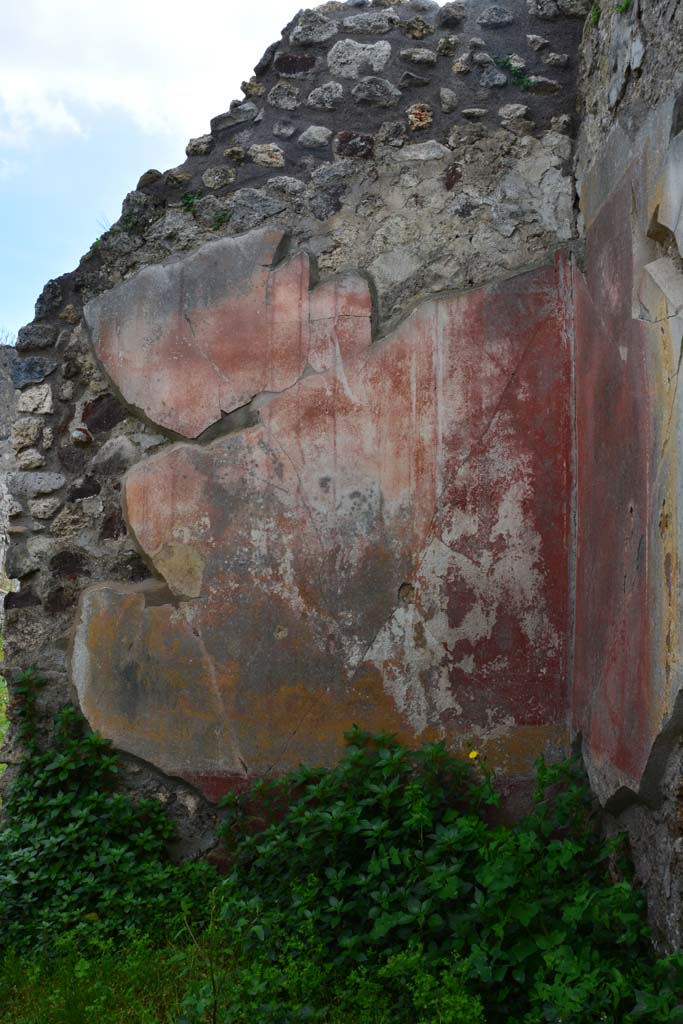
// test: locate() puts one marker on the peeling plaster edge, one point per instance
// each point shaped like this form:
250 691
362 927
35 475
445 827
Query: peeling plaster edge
246 415
601 176
649 792
544 259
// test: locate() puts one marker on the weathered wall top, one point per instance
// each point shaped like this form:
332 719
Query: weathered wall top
8 362
470 135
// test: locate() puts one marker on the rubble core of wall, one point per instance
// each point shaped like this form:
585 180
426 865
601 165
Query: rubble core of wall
7 406
628 687
425 148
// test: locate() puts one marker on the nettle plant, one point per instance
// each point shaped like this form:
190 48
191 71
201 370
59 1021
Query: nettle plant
76 855
380 890
392 855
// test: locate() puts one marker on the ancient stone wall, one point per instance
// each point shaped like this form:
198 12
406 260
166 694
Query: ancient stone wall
8 360
294 443
627 699
342 421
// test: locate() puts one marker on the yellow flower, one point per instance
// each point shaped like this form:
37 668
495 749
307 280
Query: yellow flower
474 754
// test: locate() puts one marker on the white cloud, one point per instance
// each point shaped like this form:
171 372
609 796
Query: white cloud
170 67
9 168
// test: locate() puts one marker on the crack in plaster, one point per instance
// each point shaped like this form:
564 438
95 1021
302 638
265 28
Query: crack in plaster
235 747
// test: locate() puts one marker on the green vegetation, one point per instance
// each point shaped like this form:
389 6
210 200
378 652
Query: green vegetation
76 857
4 700
136 983
221 219
3 713
624 7
518 75
189 201
378 891
3 708
596 11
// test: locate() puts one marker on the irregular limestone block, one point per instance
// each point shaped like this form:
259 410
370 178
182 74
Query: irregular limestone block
388 546
189 340
37 399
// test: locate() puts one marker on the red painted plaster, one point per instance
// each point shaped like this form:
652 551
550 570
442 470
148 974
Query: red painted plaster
389 546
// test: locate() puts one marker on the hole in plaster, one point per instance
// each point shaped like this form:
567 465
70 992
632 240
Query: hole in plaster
406 593
664 519
659 232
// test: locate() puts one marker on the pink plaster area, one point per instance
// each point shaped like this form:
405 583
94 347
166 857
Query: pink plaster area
612 697
388 546
188 341
628 349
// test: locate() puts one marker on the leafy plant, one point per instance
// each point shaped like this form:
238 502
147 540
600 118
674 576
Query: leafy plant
393 848
221 219
3 716
128 222
624 6
189 201
377 891
596 11
76 855
517 74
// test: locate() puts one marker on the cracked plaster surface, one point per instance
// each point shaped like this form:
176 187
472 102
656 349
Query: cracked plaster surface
432 463
189 340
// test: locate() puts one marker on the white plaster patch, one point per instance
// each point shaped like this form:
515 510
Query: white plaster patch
404 654
505 576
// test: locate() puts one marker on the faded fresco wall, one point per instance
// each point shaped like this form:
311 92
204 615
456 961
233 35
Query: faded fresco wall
388 545
369 411
294 441
627 703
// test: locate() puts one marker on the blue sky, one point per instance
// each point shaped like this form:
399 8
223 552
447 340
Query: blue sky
92 94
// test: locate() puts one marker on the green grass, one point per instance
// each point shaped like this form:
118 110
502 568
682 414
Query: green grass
138 985
202 983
